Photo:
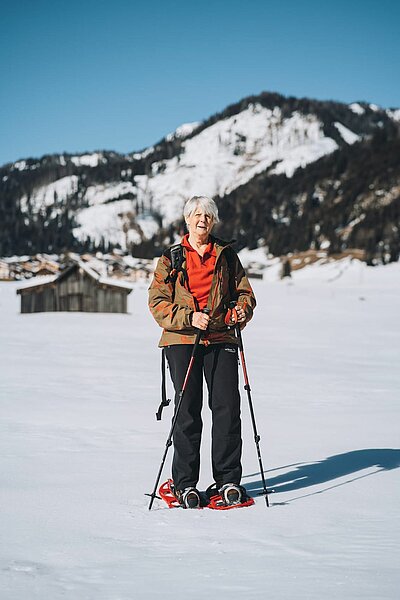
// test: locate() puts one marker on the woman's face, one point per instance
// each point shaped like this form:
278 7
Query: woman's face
199 223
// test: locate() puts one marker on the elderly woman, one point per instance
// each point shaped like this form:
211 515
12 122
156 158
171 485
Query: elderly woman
211 277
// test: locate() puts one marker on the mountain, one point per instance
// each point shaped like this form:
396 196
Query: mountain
348 199
287 173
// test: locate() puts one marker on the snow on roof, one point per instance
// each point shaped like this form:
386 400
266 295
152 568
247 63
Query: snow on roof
37 281
48 279
116 283
99 278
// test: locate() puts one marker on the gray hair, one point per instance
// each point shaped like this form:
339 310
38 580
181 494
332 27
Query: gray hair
207 204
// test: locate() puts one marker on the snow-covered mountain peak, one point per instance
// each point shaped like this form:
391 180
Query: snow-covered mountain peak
215 161
183 130
229 153
88 160
357 108
394 114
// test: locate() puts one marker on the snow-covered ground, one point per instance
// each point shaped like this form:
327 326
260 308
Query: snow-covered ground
79 447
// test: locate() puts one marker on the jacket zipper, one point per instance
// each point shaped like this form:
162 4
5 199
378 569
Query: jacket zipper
219 279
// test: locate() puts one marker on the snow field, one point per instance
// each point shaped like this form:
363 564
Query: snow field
79 447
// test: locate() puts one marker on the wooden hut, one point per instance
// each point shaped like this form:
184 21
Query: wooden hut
76 288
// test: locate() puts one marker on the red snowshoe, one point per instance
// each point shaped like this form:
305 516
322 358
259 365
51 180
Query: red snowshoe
212 498
167 493
219 501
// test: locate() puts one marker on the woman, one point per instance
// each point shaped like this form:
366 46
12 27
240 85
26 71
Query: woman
211 276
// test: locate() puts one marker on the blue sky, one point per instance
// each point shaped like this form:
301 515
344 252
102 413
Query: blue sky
119 75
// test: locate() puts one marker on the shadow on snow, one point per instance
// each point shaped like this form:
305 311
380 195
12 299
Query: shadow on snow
305 475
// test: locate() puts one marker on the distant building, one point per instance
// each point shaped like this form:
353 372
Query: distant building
76 288
47 268
4 271
254 273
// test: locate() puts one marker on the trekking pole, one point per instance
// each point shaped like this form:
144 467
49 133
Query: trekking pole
168 443
253 419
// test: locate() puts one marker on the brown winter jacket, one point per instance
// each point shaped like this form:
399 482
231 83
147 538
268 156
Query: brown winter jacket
172 305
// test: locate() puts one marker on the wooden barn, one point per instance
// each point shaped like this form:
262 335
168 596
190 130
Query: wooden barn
76 288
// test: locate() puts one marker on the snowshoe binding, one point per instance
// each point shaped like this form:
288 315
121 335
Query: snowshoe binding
228 496
231 494
187 498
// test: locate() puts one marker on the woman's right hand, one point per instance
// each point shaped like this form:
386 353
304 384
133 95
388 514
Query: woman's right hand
200 320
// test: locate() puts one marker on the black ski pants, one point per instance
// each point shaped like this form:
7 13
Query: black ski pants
219 363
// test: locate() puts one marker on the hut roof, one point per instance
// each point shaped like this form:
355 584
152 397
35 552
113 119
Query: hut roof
77 264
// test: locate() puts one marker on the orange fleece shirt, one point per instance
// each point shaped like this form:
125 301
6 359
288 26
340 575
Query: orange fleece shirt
200 270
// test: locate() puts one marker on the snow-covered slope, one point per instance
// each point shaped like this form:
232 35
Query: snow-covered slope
80 446
346 134
229 153
217 160
50 195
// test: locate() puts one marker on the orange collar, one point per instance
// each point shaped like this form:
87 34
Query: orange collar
210 249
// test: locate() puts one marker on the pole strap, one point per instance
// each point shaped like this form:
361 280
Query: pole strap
164 400
231 317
